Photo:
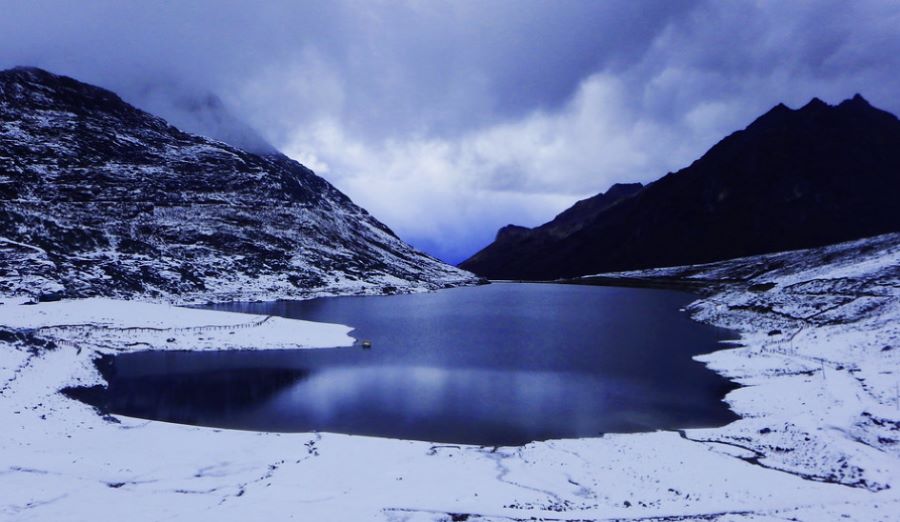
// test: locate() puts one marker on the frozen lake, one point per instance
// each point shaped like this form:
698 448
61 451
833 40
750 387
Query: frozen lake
503 364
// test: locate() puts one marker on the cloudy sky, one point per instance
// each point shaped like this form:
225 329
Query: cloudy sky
448 120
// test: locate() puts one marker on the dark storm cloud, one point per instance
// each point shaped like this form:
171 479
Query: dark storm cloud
417 66
448 120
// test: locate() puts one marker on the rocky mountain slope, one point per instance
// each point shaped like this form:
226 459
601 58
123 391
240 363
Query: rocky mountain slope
100 198
792 179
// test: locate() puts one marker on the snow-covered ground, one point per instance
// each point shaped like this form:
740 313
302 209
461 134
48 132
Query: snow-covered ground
819 437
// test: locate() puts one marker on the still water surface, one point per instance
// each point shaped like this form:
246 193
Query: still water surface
503 364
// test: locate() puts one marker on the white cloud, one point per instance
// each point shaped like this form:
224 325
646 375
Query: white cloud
458 191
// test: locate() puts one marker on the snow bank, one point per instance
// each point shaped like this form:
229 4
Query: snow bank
114 324
818 438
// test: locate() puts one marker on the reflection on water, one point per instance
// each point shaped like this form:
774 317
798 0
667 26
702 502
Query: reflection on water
496 365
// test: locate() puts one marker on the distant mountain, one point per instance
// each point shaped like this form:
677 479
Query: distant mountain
100 198
533 243
792 179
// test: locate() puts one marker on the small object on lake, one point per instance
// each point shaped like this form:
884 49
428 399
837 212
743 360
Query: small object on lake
367 344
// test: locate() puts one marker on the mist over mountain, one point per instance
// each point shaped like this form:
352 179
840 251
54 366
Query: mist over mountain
206 115
792 179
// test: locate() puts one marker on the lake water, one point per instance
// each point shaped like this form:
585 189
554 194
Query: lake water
503 364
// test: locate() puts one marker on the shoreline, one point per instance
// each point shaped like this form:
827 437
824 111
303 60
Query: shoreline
817 439
697 288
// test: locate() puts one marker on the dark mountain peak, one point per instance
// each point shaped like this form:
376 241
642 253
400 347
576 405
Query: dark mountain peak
22 70
815 104
27 71
511 232
32 88
773 117
623 189
598 203
792 179
36 76
857 103
810 123
859 109
858 100
573 218
781 115
780 109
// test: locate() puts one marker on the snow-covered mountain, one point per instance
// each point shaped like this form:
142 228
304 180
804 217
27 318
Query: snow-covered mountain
100 198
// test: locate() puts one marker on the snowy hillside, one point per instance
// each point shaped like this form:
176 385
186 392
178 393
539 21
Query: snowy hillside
817 440
100 198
